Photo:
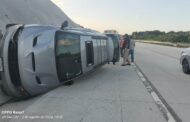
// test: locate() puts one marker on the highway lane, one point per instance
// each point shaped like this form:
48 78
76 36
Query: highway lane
162 67
111 93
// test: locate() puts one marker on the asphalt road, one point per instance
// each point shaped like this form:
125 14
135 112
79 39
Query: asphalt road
114 93
161 66
111 93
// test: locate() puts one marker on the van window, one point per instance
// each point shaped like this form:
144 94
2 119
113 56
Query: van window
67 44
89 53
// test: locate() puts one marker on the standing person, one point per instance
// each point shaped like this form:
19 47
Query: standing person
121 45
131 49
126 46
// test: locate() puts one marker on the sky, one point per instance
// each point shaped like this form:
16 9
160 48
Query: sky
127 16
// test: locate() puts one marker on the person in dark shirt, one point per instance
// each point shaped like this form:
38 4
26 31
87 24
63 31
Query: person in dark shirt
126 47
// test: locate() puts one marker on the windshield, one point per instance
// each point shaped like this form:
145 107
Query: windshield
67 55
67 44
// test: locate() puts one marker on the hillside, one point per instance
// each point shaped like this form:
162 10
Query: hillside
31 12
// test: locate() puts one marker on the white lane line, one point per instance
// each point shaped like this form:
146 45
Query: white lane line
143 79
140 74
163 107
167 115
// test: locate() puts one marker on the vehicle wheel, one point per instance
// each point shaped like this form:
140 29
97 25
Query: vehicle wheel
185 66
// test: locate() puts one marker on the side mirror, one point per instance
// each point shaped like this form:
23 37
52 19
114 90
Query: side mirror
9 25
64 24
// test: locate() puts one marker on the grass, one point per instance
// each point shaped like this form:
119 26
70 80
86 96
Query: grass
179 45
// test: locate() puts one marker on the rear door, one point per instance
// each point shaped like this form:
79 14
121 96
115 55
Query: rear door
115 40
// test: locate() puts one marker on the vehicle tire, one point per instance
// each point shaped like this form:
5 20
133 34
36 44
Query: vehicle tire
185 66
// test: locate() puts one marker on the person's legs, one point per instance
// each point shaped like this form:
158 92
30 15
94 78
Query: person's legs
127 57
132 55
121 52
1 35
124 56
